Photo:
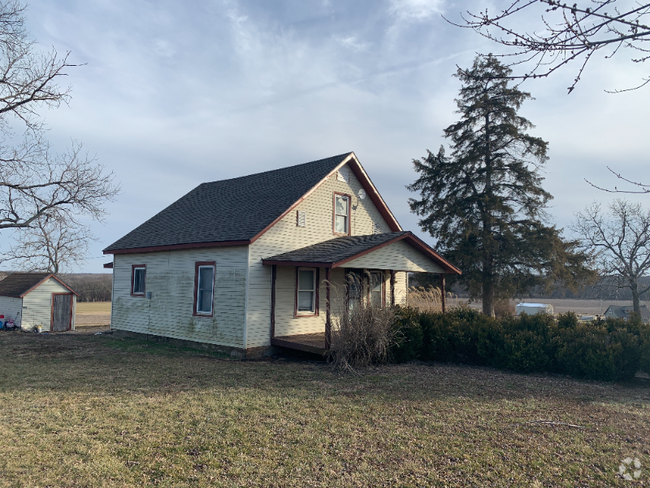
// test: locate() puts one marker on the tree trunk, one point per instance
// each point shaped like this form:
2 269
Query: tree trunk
488 294
634 286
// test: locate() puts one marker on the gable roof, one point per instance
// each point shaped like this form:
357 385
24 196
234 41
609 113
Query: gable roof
624 311
239 210
340 250
17 285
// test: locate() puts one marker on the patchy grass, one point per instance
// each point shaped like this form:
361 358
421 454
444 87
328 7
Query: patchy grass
85 410
93 308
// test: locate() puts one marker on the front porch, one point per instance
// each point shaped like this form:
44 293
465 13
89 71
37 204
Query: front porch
302 279
311 343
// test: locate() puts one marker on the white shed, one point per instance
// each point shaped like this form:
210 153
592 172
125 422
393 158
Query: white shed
533 308
38 299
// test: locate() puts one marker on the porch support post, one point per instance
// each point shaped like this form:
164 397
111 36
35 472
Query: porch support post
443 293
274 273
328 317
392 287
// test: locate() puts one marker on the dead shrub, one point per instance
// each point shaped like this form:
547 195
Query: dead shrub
503 308
424 299
362 337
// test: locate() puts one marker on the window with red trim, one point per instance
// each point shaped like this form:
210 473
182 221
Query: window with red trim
204 288
306 292
341 214
138 275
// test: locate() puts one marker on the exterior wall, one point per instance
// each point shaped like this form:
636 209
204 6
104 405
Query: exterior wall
170 279
11 308
285 236
37 305
398 255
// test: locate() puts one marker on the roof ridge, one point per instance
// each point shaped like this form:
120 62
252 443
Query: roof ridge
262 173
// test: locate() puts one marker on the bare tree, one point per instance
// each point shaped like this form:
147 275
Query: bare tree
567 33
36 186
621 242
52 244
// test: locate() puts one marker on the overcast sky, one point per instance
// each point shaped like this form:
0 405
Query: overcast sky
174 93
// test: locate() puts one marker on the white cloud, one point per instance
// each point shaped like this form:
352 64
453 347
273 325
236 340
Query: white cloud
352 43
415 10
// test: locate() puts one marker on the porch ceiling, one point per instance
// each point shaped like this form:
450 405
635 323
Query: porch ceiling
399 251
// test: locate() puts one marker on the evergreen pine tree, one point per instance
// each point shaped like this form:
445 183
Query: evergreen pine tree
484 203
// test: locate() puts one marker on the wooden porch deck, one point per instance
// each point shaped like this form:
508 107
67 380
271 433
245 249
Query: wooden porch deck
313 343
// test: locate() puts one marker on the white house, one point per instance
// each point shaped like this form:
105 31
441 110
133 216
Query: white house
38 299
247 263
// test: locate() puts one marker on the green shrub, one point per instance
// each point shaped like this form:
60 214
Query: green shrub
408 335
610 350
600 350
452 336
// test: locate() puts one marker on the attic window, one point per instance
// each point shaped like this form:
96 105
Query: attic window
301 219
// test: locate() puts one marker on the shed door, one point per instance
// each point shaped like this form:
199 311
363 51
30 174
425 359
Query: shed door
61 312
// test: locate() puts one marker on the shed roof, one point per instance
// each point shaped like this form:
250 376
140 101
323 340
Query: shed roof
17 285
340 250
624 311
237 211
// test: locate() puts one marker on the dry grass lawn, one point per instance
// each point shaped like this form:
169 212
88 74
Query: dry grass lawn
85 410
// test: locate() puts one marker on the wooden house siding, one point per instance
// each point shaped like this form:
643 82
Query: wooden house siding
11 308
398 256
285 236
170 279
37 305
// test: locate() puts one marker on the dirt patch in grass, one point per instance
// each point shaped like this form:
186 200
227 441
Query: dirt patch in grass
86 410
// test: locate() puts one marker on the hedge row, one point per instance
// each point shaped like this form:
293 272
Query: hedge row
611 349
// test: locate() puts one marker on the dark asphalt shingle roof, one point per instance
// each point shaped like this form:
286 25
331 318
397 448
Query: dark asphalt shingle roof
17 284
335 250
229 210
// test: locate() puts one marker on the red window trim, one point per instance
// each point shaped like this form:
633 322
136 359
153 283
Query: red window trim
133 268
296 314
197 265
334 214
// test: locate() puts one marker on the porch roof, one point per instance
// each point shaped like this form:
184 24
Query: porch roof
342 250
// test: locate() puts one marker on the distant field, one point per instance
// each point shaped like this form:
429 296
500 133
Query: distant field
588 307
89 308
93 313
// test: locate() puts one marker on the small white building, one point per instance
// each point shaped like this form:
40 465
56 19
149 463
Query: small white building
533 308
37 299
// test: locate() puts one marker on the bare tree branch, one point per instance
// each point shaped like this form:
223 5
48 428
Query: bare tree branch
620 241
54 244
568 33
643 188
40 191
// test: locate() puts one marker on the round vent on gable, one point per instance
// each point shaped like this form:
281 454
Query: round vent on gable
361 193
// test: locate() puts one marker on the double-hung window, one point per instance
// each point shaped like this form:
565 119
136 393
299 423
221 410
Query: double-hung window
138 273
306 292
204 288
341 214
